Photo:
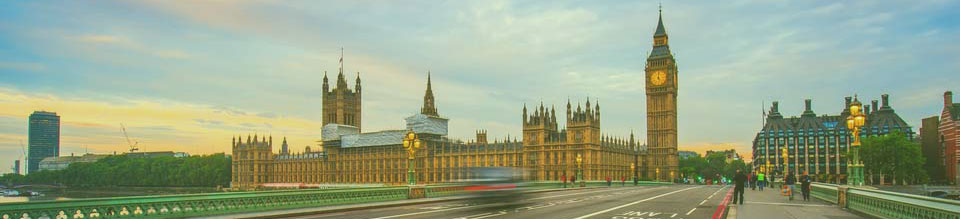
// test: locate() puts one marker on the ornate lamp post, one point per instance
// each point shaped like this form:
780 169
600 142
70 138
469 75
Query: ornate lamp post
855 121
658 174
411 143
786 162
633 167
580 171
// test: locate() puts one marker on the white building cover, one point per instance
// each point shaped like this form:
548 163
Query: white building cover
420 123
388 137
333 131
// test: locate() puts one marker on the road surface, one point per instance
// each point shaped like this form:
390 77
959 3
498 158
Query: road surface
644 202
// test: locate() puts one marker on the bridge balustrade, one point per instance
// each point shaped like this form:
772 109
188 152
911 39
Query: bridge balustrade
886 204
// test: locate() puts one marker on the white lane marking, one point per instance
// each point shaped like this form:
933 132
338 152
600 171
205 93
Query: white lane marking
577 194
714 193
691 211
701 203
450 209
423 212
790 204
632 203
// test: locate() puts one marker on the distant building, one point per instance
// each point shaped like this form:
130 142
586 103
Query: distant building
949 131
687 154
16 167
818 143
730 155
158 154
44 138
59 163
932 150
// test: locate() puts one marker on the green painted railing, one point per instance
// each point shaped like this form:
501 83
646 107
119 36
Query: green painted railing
197 204
886 204
824 192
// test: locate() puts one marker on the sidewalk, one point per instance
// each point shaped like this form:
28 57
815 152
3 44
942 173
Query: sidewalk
770 204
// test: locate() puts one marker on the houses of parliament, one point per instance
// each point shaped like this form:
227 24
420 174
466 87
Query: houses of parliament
546 152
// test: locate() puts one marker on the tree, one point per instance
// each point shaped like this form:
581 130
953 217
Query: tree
895 155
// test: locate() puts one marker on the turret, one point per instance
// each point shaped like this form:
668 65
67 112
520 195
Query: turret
326 85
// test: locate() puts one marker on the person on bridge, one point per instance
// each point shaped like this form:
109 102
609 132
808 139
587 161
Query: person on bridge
761 181
805 185
739 181
790 181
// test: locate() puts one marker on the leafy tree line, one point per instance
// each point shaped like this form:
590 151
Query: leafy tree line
120 170
893 158
711 167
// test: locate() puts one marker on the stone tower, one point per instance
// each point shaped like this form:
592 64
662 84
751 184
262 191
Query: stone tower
539 127
341 105
661 74
583 125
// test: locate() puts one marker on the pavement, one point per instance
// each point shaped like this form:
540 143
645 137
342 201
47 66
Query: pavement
641 202
771 204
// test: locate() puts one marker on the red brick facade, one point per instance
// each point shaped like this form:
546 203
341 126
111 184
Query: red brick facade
949 131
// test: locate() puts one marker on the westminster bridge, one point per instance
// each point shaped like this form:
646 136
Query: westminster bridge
615 200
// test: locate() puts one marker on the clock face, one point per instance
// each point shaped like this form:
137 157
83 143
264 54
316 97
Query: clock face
658 77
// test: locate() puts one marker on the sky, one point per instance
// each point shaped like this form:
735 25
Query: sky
187 76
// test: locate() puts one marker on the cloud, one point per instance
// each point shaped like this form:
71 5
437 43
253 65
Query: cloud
23 66
101 44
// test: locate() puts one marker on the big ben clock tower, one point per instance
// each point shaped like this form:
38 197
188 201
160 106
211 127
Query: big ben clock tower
661 74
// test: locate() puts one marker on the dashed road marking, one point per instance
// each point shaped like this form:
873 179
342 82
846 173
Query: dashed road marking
691 211
632 203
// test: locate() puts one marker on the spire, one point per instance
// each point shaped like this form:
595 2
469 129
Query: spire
341 81
661 31
284 149
326 85
428 102
357 87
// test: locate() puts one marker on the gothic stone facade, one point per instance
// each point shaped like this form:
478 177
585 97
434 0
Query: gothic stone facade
350 157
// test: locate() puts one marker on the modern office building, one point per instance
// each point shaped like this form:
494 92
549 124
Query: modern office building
949 131
818 143
62 162
44 138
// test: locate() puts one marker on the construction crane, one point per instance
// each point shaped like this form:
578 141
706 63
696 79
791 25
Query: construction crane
133 144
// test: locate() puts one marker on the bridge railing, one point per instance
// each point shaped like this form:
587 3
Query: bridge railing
190 205
886 204
197 204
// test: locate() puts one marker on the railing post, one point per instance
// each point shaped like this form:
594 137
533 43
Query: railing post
842 196
415 192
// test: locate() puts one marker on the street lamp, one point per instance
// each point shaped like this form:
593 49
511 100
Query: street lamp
580 171
633 167
658 174
855 121
411 143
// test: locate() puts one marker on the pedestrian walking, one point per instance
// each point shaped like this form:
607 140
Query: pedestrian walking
790 181
805 185
739 182
752 178
761 181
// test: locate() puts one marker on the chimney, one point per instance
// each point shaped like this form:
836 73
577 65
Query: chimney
948 98
886 100
874 103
